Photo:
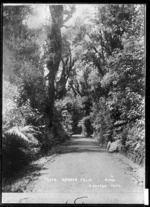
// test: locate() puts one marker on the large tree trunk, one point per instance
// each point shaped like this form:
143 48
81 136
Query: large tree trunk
55 48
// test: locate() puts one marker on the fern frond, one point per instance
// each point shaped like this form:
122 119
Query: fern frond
25 133
31 129
15 131
32 138
27 128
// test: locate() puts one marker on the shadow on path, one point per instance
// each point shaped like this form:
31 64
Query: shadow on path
79 143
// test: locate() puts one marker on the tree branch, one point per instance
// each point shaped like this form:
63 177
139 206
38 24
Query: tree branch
69 14
76 87
67 27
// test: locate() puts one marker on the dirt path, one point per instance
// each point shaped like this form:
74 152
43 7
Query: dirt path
81 172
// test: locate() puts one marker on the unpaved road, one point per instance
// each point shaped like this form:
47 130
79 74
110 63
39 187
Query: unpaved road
81 172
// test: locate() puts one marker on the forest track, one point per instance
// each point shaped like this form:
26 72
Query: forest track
81 172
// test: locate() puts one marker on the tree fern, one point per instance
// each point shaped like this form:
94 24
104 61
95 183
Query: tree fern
25 133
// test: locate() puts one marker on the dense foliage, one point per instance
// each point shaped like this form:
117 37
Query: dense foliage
109 76
25 93
85 77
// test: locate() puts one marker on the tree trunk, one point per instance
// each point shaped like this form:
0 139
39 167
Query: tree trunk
55 48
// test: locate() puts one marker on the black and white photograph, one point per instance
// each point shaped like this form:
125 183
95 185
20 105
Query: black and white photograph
73 103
